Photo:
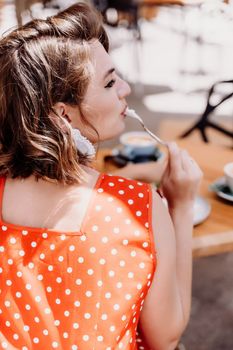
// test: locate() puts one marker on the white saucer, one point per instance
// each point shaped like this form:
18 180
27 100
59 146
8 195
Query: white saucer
202 210
221 189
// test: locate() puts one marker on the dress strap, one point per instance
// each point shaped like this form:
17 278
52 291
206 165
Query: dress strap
2 185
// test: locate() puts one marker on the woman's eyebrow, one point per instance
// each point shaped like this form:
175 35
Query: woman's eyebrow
110 71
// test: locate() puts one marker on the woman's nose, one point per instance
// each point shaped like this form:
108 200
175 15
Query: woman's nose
123 89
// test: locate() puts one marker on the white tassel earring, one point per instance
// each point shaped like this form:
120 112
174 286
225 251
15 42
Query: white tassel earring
83 145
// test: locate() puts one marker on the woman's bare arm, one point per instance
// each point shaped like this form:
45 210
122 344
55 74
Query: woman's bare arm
167 306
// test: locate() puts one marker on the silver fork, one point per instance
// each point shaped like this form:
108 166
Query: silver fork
132 114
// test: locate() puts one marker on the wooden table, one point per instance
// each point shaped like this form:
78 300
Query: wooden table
215 235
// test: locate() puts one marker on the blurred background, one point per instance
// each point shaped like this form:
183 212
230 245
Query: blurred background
171 52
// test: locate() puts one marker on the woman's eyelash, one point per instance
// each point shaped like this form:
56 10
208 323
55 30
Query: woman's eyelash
110 83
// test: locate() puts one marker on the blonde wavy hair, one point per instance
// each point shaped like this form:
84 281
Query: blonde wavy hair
42 63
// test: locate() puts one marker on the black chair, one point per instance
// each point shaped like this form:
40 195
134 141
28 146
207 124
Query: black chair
204 122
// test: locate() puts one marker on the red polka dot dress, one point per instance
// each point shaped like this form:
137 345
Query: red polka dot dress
79 290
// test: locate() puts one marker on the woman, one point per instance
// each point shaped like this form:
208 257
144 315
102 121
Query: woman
86 259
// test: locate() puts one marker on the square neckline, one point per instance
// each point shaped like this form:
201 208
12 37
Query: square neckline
31 229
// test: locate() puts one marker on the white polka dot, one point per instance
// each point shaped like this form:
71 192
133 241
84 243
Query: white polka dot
145 244
31 265
4 345
66 313
27 307
33 244
75 325
54 344
52 246
139 286
71 248
68 291
128 296
36 319
100 338
116 307
21 252
36 340
107 218
4 228
102 261
8 324
8 283
138 213
122 263
83 238
99 283
110 199
85 337
78 281
45 235
97 305
95 228
130 201
38 299
131 187
10 262
74 347
7 303
92 250
111 273
42 256
127 221
69 269
112 328
125 241
130 275
45 332
59 280
142 265
15 336
121 192
87 316
80 259
111 184
77 303
116 230
108 295
98 207
141 195
65 335
104 317
28 286
114 251
88 293
119 210
50 268
26 328
47 311
58 301
24 232
137 233
123 317
104 239
133 253
63 237
119 285
90 272
13 240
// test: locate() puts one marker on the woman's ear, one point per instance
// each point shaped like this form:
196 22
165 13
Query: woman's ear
61 110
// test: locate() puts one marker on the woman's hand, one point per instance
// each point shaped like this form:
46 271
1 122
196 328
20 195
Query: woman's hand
181 178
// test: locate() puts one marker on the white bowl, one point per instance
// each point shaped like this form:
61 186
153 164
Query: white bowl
228 172
137 143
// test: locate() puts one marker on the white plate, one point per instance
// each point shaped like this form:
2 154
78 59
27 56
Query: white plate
202 210
221 189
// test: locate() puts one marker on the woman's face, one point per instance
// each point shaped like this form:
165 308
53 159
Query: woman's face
104 104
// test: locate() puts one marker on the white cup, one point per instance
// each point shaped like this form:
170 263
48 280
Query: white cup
137 143
228 171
